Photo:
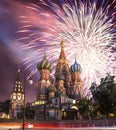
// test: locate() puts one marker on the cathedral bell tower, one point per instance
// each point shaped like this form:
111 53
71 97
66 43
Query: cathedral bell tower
44 67
62 67
17 97
76 83
61 90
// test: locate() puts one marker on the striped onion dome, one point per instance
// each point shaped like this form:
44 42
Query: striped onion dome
44 64
75 67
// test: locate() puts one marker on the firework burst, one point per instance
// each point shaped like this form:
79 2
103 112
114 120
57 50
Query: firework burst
87 31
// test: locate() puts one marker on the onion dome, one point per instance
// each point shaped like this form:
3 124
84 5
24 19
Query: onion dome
60 76
44 64
51 88
75 67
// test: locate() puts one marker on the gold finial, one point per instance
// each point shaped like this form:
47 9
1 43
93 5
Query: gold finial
62 54
62 45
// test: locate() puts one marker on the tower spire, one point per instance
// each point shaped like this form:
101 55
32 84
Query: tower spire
62 67
18 75
18 85
62 45
62 54
17 96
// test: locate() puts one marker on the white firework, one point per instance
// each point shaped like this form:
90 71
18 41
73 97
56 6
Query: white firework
86 30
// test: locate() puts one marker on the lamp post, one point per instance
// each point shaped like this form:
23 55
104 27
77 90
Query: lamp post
30 82
24 109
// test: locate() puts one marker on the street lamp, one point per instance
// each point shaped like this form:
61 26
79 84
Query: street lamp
30 82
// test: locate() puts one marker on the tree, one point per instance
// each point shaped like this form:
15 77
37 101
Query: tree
84 106
29 112
1 107
7 105
105 94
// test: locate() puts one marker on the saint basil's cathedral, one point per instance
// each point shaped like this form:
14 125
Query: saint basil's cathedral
56 97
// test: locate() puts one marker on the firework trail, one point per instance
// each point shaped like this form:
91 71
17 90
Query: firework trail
87 31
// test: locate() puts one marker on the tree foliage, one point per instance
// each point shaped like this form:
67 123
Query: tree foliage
105 94
7 105
29 112
84 106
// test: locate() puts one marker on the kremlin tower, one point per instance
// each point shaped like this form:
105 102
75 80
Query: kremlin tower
17 97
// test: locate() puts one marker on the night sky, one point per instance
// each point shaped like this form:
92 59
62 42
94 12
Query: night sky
10 10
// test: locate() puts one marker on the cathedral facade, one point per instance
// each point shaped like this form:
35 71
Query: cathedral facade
57 97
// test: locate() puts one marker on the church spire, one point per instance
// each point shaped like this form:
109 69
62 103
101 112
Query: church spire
62 68
17 96
18 75
18 88
62 54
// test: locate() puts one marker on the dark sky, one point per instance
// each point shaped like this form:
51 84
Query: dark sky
10 10
9 61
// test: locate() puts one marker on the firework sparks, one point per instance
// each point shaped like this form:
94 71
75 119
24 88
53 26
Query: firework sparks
87 30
